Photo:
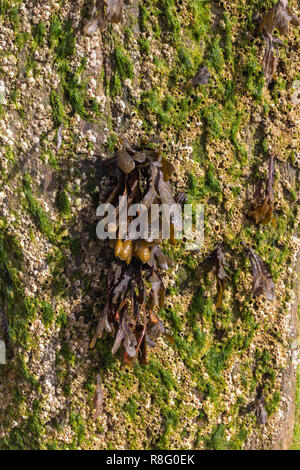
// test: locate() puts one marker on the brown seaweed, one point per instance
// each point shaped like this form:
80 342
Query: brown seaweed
98 398
125 161
279 18
262 281
260 411
135 288
263 204
218 264
270 60
114 11
258 407
181 198
113 14
164 191
201 77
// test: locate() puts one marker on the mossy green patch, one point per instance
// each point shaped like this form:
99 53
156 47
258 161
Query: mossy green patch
144 46
41 218
217 439
131 408
215 55
200 22
63 202
48 313
58 111
77 425
123 64
169 16
39 34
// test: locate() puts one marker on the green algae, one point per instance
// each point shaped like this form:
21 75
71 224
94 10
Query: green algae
200 22
58 110
63 202
123 64
41 218
215 55
169 16
217 439
39 34
144 46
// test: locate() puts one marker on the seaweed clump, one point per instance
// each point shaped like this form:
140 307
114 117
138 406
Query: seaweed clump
279 18
217 263
98 398
258 407
263 204
201 77
262 281
135 281
113 14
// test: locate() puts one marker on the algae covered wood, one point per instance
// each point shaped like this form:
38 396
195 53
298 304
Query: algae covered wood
186 77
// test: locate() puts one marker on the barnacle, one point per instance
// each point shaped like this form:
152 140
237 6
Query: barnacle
130 312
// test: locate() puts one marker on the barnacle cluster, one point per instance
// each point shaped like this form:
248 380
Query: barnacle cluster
143 176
